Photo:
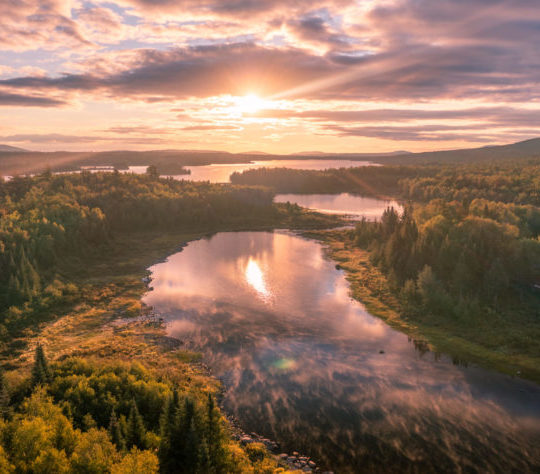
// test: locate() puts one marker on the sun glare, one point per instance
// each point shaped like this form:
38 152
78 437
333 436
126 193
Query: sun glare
255 278
248 104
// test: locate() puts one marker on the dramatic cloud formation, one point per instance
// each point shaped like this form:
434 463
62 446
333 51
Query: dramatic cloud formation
338 75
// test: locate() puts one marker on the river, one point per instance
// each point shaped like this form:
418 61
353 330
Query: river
307 366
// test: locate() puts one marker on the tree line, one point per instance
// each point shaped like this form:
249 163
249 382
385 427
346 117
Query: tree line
47 219
515 182
455 261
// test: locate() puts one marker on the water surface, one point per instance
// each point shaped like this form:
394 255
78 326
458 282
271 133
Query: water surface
219 173
309 367
342 204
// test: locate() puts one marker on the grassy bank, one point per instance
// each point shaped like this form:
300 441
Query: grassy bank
482 344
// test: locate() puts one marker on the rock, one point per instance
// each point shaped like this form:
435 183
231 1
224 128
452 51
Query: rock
312 464
295 454
381 352
246 440
283 456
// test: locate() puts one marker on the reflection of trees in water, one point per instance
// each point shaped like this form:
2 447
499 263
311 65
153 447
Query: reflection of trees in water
421 346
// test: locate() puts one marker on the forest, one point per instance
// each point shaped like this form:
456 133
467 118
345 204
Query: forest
51 218
516 181
96 411
455 261
79 416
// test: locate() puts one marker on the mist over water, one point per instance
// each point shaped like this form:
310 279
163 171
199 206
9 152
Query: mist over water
306 365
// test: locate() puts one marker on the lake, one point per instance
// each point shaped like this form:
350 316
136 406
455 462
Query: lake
219 173
343 204
307 366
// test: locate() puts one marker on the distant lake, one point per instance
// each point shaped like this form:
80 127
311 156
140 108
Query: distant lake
344 203
220 173
304 364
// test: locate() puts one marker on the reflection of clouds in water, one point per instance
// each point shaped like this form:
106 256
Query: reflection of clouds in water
305 368
182 327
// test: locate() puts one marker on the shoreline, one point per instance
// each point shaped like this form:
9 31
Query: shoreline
383 304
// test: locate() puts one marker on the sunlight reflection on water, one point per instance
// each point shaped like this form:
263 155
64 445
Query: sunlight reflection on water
301 363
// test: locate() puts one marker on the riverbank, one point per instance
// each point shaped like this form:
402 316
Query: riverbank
482 345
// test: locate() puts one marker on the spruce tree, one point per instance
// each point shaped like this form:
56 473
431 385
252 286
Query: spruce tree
41 373
4 396
115 432
136 431
214 433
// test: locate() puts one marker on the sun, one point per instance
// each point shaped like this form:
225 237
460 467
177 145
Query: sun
247 104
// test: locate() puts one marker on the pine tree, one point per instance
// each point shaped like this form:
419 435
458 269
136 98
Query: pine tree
213 434
41 373
115 432
136 431
4 396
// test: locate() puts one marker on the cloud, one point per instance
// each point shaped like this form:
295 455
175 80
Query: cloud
19 100
47 24
230 8
502 116
74 139
200 71
415 54
423 73
314 28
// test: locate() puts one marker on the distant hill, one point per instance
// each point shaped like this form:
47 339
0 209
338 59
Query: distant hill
352 155
11 148
519 150
14 161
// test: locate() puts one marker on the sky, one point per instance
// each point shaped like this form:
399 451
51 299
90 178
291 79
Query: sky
278 76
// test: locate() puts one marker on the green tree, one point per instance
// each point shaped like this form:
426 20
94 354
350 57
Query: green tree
135 430
115 432
41 373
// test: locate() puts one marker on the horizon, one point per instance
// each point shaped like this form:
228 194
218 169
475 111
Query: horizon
275 77
263 153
